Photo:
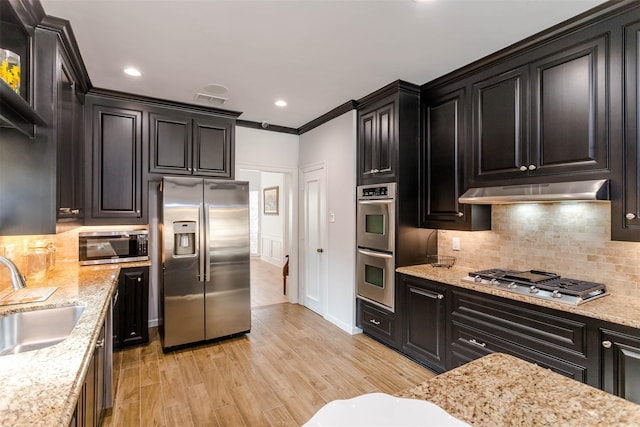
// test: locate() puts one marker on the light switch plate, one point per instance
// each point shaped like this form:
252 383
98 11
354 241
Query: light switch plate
455 243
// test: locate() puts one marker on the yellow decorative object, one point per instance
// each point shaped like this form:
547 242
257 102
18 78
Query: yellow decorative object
10 69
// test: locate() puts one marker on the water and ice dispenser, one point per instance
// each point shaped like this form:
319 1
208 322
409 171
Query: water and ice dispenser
184 235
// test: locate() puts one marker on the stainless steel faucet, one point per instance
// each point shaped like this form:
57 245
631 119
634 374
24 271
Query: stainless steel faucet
17 279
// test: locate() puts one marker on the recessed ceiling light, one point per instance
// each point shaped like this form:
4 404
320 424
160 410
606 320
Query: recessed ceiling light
216 89
131 71
281 103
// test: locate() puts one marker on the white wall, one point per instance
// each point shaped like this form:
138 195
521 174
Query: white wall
334 144
264 148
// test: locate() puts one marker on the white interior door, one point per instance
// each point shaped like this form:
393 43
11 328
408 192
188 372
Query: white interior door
315 286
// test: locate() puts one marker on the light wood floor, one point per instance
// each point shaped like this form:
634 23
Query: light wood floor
280 374
266 284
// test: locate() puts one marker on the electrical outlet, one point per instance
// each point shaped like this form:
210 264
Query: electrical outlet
332 216
455 243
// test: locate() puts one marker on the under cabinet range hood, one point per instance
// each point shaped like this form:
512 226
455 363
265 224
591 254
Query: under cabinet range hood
572 191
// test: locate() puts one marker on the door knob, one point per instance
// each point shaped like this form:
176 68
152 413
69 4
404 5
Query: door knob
319 250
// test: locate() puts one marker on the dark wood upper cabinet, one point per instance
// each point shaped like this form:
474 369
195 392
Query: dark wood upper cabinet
570 110
17 103
186 144
547 118
116 156
213 153
170 144
69 126
378 142
500 137
625 199
442 171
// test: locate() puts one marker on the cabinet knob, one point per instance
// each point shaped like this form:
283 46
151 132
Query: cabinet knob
523 168
532 167
100 344
630 216
374 321
460 214
75 211
195 169
139 279
606 344
189 169
138 212
319 250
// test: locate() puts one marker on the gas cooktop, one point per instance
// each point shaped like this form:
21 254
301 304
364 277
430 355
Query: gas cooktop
539 284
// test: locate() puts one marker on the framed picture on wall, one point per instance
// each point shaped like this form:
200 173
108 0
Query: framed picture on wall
271 200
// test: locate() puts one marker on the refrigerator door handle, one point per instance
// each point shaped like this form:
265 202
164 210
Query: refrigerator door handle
202 231
207 254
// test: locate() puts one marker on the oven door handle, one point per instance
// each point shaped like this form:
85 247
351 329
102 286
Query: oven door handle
375 202
375 254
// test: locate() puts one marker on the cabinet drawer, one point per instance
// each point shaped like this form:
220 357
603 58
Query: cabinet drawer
537 329
469 344
376 322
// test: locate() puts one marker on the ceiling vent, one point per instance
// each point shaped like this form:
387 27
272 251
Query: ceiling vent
210 99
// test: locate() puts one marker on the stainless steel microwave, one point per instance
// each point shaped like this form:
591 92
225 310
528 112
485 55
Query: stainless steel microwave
107 247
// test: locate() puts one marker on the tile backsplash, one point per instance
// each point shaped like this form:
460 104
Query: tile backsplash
571 239
66 244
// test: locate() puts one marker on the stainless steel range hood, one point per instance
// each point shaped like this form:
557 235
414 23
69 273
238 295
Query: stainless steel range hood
593 190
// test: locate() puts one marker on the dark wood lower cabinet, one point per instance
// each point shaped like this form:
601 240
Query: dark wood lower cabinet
443 327
131 312
620 352
91 402
425 311
381 324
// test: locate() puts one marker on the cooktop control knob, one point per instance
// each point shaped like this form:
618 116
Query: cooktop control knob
556 294
477 279
533 290
494 282
512 285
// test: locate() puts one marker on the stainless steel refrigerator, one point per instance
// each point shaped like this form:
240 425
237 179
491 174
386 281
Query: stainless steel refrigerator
205 281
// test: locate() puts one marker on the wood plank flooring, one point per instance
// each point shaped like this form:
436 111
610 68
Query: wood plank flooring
266 284
280 374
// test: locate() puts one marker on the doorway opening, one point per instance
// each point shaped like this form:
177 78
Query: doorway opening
268 234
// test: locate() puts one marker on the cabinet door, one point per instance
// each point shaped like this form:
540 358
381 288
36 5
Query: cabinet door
570 110
212 147
170 144
625 202
500 134
379 323
425 317
442 170
116 174
89 413
621 364
377 142
99 357
133 306
69 145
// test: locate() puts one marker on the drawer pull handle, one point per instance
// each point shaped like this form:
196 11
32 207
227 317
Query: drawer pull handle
606 344
427 294
374 321
481 344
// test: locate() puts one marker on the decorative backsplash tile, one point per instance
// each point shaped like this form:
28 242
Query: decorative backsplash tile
571 239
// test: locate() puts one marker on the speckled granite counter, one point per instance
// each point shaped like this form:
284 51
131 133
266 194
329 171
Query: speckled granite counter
619 309
502 390
41 387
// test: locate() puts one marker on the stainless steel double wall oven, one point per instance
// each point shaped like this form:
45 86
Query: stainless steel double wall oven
376 240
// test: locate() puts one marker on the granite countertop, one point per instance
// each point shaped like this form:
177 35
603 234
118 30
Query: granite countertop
619 309
41 387
502 390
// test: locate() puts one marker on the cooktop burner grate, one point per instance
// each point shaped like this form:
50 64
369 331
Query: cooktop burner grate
542 280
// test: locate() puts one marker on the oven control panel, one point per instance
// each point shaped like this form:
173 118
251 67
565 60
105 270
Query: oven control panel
377 191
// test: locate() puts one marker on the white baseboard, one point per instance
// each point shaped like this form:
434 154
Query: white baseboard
350 329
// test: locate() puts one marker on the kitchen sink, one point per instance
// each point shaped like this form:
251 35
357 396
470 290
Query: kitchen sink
33 330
